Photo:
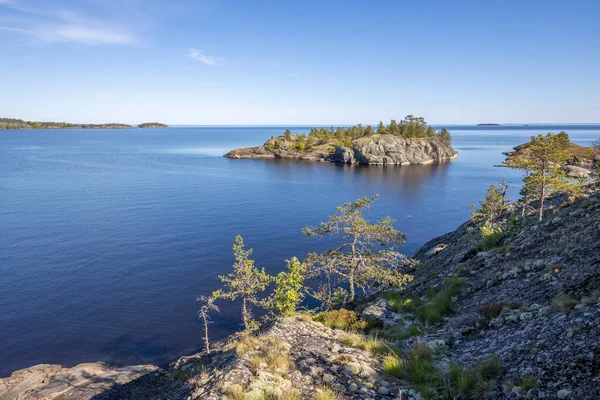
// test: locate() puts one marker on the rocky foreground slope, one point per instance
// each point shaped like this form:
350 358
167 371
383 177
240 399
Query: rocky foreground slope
372 150
521 322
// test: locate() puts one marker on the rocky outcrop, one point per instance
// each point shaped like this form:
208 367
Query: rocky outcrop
52 382
372 150
536 298
580 165
393 150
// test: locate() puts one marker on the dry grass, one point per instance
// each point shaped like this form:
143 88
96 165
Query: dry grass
326 393
235 392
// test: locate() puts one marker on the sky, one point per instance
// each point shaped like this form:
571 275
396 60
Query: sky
226 62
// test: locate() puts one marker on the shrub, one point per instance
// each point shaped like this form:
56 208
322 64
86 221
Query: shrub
287 294
589 202
528 382
494 309
392 365
565 302
440 305
342 319
489 368
419 368
398 302
491 235
462 378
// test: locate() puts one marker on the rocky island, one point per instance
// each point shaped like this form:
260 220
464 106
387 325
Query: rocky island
152 125
410 142
106 126
579 164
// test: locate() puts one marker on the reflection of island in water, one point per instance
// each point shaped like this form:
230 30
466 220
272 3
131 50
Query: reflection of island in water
409 182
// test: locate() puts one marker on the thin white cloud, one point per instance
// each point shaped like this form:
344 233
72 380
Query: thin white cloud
57 25
203 58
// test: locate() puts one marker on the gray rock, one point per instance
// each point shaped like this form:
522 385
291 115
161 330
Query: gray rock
563 394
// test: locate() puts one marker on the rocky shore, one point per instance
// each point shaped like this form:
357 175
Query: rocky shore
525 324
580 165
372 150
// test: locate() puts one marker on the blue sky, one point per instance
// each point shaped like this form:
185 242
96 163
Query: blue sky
300 62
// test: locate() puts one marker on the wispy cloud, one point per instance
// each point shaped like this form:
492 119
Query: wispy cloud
57 25
203 58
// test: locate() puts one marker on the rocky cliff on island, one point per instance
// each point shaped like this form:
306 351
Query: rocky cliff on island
371 150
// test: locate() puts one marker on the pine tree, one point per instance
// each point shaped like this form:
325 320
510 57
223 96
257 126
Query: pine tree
366 255
207 306
545 155
382 129
246 281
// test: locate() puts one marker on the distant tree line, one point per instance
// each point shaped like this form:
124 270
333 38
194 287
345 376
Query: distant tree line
12 123
409 127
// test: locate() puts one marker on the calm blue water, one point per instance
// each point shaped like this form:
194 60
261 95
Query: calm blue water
108 236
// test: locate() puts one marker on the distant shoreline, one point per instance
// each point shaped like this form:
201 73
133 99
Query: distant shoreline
11 123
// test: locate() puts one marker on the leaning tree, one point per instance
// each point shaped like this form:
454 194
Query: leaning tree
366 256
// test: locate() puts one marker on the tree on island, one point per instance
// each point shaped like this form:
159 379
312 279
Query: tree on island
207 306
287 134
245 282
366 256
542 166
409 127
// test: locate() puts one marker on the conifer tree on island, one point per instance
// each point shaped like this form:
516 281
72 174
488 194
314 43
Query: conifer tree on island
367 255
542 165
207 306
245 282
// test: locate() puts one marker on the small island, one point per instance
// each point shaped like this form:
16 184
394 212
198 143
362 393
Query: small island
152 125
411 141
579 165
106 126
488 124
13 123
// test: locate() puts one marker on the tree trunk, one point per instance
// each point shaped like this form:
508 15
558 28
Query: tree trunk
542 197
206 343
351 284
245 313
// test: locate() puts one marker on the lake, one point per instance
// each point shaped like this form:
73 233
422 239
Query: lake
108 236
